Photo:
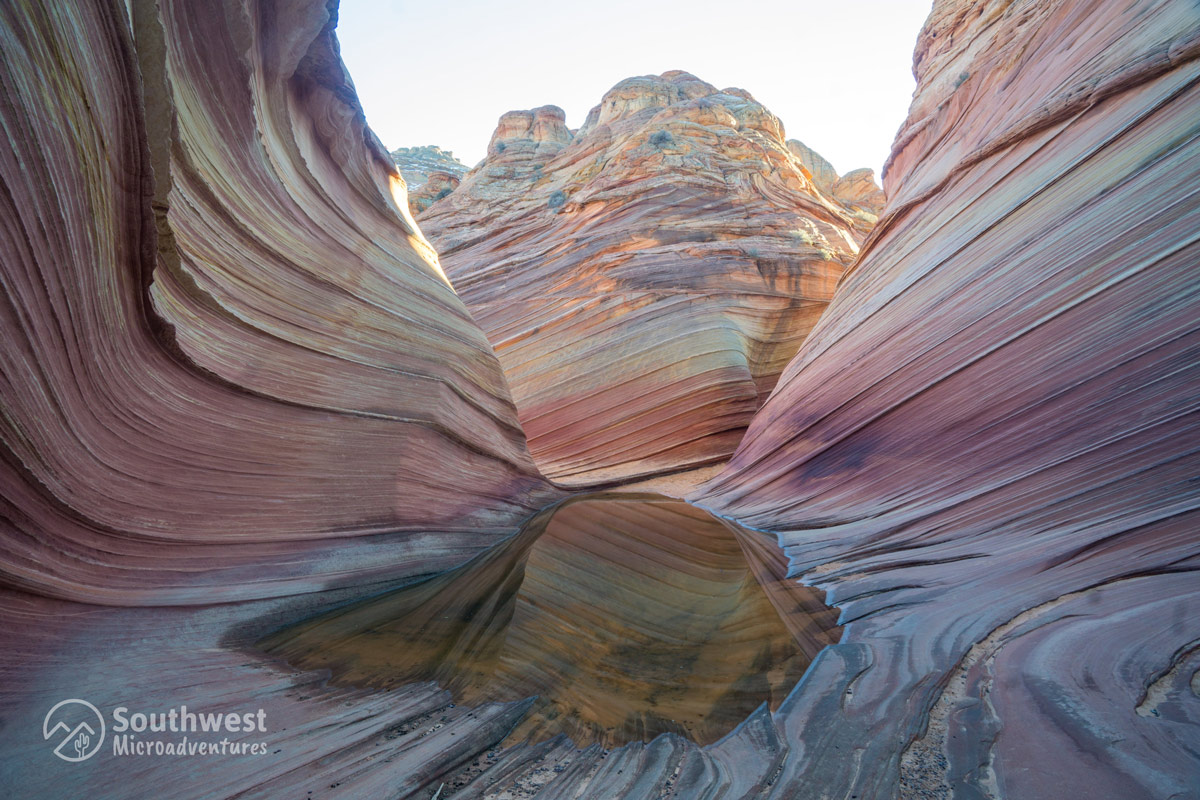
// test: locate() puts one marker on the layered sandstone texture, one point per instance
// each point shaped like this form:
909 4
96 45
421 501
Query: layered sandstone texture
429 172
856 191
987 449
232 367
231 370
644 279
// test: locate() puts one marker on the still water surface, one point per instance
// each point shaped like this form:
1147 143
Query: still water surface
626 615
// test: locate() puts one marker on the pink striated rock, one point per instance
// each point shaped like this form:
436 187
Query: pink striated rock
232 369
986 449
238 391
644 281
230 358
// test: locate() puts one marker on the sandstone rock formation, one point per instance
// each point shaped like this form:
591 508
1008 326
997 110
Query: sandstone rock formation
644 280
237 391
430 173
416 164
229 357
856 191
232 369
822 172
438 186
986 449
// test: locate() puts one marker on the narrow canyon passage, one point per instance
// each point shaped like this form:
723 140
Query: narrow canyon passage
627 616
277 445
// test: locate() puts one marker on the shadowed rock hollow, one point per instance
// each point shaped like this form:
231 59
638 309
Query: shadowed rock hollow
643 279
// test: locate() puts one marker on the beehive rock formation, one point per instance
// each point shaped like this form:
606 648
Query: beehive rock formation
857 191
645 279
986 449
416 164
435 188
822 172
429 172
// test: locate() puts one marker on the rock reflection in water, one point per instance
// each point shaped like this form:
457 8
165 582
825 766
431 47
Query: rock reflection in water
628 616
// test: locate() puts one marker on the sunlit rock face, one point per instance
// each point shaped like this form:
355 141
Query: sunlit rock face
986 449
624 617
856 191
822 172
645 279
429 172
233 368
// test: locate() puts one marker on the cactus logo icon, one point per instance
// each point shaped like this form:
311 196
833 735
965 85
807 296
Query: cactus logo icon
84 727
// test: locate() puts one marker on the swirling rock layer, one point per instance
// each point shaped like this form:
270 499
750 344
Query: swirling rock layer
624 618
645 279
229 358
986 450
229 373
230 369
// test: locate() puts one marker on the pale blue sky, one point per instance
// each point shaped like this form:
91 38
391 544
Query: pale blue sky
837 72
